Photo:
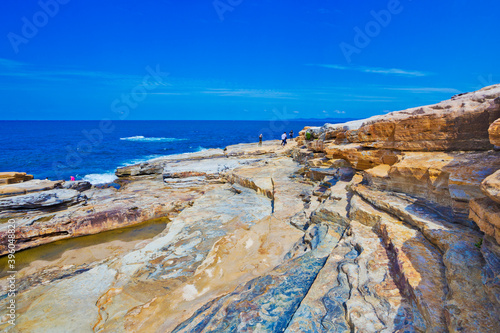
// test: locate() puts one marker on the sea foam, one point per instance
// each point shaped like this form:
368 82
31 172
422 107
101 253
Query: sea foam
100 178
140 138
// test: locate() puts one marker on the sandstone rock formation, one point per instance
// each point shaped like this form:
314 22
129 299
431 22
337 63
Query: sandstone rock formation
384 225
14 177
458 124
491 186
42 199
28 187
494 132
486 211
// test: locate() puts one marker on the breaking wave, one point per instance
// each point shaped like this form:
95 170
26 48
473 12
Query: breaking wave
141 138
100 178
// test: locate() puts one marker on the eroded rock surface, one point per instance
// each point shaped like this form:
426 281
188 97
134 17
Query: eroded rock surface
458 124
42 199
14 177
34 185
494 132
386 225
448 180
491 186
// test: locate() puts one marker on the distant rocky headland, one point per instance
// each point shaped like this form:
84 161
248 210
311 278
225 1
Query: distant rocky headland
387 224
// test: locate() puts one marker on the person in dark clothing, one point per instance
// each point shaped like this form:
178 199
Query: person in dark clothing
260 140
283 139
291 134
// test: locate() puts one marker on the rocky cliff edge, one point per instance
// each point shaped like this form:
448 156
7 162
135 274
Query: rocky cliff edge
389 224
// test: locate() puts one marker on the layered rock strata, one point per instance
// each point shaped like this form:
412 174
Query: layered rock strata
14 177
458 124
383 225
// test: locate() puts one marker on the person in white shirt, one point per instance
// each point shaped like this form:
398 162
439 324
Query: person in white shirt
283 139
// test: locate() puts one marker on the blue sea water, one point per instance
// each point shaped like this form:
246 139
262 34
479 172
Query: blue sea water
92 150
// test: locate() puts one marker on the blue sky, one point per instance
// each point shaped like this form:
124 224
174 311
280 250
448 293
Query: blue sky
240 59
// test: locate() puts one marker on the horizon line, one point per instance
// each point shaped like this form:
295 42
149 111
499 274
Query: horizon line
123 120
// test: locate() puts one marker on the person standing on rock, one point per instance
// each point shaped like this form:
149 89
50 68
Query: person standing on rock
260 140
283 139
72 178
291 134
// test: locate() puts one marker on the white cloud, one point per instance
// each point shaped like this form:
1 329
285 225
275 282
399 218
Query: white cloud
334 111
424 90
14 69
375 70
169 93
249 93
9 64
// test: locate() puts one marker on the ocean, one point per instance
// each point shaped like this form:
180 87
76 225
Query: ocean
92 150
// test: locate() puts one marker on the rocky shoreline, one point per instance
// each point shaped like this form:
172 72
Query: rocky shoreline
389 224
